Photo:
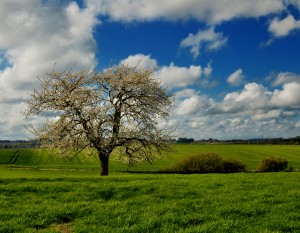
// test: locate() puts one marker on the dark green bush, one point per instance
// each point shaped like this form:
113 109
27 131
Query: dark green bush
232 165
207 163
272 164
202 163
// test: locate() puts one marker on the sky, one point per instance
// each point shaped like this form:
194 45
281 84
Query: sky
232 65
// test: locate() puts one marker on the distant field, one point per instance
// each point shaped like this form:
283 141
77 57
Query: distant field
249 154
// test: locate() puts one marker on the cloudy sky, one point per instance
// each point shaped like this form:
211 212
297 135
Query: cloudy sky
233 65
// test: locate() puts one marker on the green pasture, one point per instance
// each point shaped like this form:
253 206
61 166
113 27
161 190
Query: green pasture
248 154
81 201
40 192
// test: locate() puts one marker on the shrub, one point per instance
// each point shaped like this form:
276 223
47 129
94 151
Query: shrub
232 165
202 163
272 164
207 163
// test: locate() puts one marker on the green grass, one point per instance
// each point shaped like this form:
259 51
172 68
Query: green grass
248 154
81 201
44 193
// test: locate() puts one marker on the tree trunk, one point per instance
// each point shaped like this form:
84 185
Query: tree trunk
104 164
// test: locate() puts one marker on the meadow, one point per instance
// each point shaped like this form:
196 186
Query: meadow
42 193
248 154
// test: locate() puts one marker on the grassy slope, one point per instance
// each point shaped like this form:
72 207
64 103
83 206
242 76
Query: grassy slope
81 201
249 154
44 158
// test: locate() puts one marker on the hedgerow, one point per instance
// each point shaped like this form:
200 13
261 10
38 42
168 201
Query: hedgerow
207 163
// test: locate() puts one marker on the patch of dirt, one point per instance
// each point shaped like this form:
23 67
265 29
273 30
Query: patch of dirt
60 228
63 228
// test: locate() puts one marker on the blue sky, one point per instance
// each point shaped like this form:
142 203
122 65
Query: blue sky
233 66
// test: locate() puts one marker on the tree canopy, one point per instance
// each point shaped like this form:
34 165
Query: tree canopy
116 109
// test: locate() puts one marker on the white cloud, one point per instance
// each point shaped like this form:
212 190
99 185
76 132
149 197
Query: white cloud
283 27
230 122
193 104
208 11
288 96
140 61
174 76
267 115
188 106
236 78
185 93
208 70
255 111
289 113
256 97
285 77
34 36
209 39
253 96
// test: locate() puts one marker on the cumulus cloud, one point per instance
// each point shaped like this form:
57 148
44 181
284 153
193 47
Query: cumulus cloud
193 104
37 34
236 78
175 76
185 93
288 96
209 39
253 96
140 61
34 36
283 27
285 77
267 115
238 127
257 97
172 75
188 106
208 11
251 112
237 116
208 70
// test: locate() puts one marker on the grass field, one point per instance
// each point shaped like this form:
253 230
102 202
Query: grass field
42 193
248 154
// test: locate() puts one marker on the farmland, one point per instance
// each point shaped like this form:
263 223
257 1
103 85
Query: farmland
42 193
248 154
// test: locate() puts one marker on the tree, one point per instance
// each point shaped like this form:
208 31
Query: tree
115 110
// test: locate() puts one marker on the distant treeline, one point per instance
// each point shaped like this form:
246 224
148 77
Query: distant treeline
6 144
275 141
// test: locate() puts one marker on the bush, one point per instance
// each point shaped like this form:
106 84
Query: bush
207 163
233 166
202 163
272 164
